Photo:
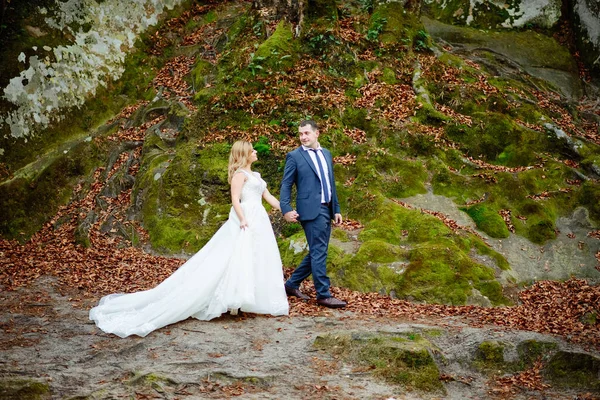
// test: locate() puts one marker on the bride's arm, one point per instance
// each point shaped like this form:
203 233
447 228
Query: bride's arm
272 200
237 182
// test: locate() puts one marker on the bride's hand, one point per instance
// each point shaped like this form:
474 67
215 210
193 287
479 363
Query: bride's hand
243 223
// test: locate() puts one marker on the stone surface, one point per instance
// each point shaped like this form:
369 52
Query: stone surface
530 52
498 13
265 358
557 259
586 15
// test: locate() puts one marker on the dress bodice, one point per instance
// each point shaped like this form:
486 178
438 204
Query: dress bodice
253 187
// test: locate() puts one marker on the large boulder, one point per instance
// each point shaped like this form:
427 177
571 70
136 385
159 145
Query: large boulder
586 17
492 14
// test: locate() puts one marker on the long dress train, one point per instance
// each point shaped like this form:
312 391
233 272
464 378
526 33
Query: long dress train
236 269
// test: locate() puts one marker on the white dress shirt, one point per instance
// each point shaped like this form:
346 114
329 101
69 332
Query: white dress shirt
313 156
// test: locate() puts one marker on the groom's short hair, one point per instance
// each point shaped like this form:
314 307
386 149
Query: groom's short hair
310 122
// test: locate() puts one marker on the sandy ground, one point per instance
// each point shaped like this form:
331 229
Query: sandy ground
47 337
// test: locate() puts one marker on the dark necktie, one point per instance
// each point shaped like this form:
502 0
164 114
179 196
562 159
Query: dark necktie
323 180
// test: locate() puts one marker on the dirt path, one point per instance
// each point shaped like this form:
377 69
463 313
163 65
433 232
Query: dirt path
46 339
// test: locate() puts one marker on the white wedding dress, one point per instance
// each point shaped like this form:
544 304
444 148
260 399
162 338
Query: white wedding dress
236 269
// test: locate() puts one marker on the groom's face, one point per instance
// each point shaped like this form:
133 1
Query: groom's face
308 136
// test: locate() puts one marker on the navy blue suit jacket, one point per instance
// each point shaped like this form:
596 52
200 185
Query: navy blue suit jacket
301 171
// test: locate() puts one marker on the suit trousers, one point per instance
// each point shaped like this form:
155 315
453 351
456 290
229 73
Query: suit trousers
317 233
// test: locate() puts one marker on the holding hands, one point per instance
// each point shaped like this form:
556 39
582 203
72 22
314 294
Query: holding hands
291 216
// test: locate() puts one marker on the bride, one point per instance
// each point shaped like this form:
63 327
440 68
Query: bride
239 268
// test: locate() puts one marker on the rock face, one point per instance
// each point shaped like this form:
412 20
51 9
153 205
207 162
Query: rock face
497 14
510 53
586 15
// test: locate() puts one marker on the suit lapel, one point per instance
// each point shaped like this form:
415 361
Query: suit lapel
306 156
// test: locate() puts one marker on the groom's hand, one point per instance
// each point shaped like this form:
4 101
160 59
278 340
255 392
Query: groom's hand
337 219
291 216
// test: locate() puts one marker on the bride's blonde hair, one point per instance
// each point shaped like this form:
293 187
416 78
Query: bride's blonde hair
238 157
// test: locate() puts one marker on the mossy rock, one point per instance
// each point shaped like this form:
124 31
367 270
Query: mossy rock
293 249
372 269
492 356
573 370
35 195
24 389
588 196
488 220
77 123
489 357
444 273
357 118
141 379
488 138
403 360
418 257
152 381
394 222
450 12
201 74
391 23
322 9
184 194
396 178
531 350
278 52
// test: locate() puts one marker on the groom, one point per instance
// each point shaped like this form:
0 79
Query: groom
310 168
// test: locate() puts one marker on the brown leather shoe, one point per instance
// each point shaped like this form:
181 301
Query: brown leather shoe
296 293
331 302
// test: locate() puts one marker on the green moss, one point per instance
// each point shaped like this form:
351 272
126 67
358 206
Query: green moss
209 17
32 198
357 118
389 76
588 196
488 220
433 332
540 231
393 23
183 192
395 359
293 249
510 191
416 255
489 15
443 273
573 370
200 72
322 9
278 51
398 178
490 356
590 318
531 350
488 138
484 249
152 381
367 271
452 12
340 234
395 222
24 389
427 114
